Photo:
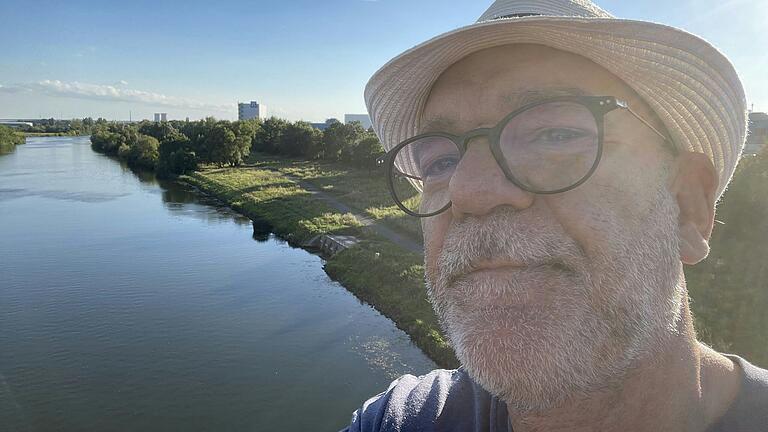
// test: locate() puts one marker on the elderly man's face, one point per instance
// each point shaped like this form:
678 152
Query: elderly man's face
545 296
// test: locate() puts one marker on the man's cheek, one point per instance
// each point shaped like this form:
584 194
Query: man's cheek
588 216
435 229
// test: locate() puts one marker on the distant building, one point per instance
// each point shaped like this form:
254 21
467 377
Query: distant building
364 119
161 117
18 124
324 126
252 110
758 133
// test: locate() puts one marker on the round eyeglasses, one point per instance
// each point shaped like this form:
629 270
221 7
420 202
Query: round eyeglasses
547 147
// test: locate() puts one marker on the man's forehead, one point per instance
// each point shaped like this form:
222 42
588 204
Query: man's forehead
450 117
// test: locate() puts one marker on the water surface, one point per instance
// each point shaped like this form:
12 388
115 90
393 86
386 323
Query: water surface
128 304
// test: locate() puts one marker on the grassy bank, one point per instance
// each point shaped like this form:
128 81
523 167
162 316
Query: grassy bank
361 189
9 139
376 271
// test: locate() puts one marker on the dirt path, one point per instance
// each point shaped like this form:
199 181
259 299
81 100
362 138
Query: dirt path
377 227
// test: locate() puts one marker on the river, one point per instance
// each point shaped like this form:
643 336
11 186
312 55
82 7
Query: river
132 304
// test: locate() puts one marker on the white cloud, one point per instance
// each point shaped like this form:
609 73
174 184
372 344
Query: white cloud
114 93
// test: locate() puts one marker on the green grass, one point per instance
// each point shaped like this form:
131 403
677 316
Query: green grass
364 190
392 282
268 196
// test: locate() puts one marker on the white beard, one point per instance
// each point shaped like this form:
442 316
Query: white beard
546 334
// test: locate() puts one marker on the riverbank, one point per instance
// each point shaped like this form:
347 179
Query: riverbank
377 271
53 134
9 139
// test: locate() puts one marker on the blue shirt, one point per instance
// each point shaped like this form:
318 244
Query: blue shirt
449 400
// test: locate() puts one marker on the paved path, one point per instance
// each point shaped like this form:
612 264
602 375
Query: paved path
367 221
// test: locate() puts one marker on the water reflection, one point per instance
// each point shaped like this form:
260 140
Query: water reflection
63 195
261 230
182 199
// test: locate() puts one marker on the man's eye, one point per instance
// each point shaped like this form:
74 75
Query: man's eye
559 136
440 167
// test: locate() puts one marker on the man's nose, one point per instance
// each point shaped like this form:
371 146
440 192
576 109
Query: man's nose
479 185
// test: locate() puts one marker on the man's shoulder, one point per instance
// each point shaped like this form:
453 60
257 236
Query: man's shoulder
441 400
749 411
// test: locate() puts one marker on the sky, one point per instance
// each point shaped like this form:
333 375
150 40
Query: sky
303 59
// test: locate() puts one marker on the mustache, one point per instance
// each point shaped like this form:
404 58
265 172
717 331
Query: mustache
506 236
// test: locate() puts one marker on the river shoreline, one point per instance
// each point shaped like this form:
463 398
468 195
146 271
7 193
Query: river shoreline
378 272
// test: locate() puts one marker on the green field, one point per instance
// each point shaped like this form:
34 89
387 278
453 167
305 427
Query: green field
364 190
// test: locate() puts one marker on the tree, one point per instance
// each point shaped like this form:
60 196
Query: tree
144 153
269 136
335 138
367 150
301 139
354 133
221 143
106 140
245 132
173 142
157 130
182 162
177 155
199 135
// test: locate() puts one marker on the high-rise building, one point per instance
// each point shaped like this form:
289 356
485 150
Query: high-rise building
252 110
364 119
161 117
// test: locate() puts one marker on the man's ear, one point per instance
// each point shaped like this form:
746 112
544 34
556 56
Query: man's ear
694 187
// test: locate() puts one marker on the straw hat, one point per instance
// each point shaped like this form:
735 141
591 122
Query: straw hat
691 86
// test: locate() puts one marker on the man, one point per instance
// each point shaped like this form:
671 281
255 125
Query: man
567 165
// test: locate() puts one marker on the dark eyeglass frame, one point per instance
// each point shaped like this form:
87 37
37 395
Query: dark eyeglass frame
599 106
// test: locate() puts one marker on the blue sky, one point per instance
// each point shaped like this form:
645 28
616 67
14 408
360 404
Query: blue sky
304 59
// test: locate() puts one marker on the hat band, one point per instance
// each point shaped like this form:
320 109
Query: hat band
518 15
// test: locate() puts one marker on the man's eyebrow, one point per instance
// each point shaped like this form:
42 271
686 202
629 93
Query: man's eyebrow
438 124
522 98
512 100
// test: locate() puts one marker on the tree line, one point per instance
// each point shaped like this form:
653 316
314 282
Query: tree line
348 143
178 147
82 126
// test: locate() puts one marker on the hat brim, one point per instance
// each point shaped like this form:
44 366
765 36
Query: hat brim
693 88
